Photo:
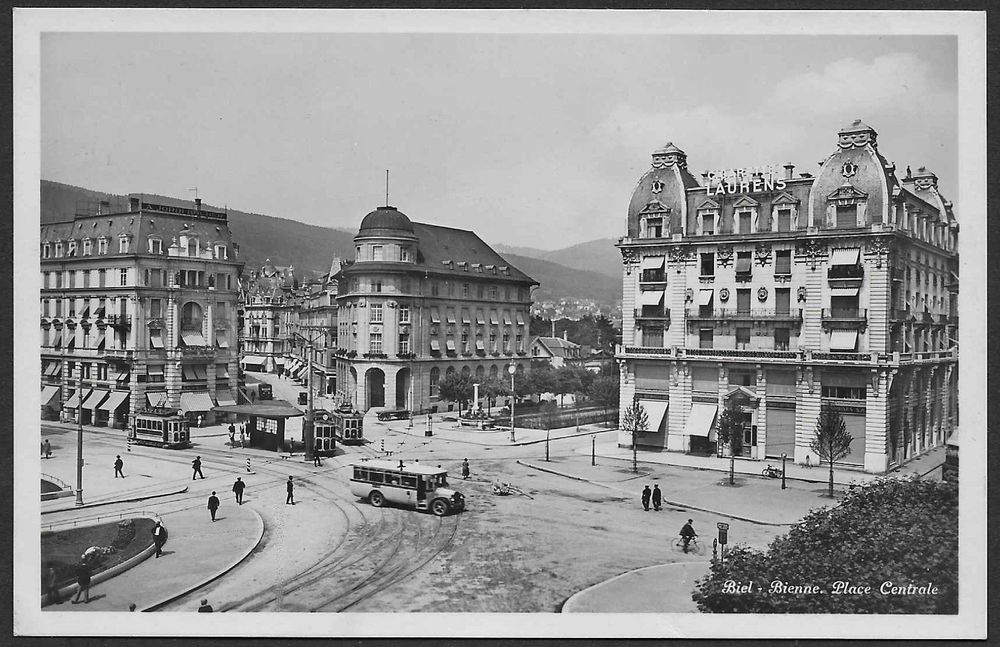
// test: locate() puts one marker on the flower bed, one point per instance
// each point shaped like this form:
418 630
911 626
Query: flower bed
109 544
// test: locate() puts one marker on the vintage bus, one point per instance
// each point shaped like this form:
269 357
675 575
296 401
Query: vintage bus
159 427
421 486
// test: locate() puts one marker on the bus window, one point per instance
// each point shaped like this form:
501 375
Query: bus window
377 477
442 481
392 479
409 481
360 474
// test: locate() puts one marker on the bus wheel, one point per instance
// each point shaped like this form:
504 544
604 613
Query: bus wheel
439 507
376 499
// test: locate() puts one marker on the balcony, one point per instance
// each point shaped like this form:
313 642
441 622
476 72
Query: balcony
197 351
744 277
652 314
845 319
845 276
751 315
118 321
119 354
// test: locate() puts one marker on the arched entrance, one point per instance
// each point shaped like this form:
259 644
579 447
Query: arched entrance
402 388
375 387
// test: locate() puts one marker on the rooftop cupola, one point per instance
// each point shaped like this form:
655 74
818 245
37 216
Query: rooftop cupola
924 179
857 135
669 155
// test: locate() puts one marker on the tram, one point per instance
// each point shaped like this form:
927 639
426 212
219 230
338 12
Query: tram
159 427
324 433
348 425
421 486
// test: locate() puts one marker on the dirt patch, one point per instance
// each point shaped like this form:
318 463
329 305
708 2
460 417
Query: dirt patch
64 548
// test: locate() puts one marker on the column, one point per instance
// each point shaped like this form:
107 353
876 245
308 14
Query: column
723 387
680 405
626 391
879 303
877 422
630 288
761 413
133 308
807 408
676 300
812 309
210 316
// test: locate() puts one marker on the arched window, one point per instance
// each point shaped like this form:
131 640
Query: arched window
435 377
191 316
480 372
466 371
450 372
494 371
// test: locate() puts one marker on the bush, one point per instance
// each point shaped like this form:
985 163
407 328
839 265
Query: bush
903 531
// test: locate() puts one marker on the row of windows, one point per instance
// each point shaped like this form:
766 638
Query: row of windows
71 279
443 288
189 246
85 307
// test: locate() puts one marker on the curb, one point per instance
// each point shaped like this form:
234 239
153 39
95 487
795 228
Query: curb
213 577
131 500
570 601
679 504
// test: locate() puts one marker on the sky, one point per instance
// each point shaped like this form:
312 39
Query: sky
528 139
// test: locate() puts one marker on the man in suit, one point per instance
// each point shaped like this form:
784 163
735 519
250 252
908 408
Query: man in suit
213 504
119 464
290 488
159 537
238 488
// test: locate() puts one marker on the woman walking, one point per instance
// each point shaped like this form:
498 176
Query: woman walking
83 581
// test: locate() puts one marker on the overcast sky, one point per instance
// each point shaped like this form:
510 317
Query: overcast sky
527 139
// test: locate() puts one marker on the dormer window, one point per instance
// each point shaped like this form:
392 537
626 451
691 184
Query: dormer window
102 245
123 244
46 250
71 249
846 207
745 213
847 215
59 250
221 252
155 246
652 227
88 247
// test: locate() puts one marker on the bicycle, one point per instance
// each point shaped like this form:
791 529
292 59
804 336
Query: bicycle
692 546
771 472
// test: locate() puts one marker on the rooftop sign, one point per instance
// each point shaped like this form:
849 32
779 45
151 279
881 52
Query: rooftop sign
754 179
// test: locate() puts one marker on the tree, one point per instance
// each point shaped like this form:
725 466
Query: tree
903 531
550 414
541 379
567 380
491 389
456 388
730 428
605 392
635 420
832 441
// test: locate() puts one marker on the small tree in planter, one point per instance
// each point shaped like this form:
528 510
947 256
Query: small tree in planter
635 420
832 441
730 432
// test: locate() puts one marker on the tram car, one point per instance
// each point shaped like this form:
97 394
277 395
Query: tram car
159 427
348 425
324 433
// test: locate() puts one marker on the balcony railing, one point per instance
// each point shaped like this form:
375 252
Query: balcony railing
845 318
736 314
119 354
845 272
119 321
652 314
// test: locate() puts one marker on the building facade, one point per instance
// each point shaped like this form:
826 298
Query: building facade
776 294
270 304
420 302
138 308
317 327
557 351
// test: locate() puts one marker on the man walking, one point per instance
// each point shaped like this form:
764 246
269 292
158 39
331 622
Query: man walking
645 498
213 504
47 448
465 468
290 488
159 537
238 488
196 467
52 586
316 449
657 497
82 581
243 435
232 435
119 464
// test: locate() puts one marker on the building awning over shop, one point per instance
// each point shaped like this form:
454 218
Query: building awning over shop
844 340
743 264
844 292
849 256
49 393
225 398
655 410
652 262
652 297
705 297
192 338
156 398
252 359
115 400
435 345
197 401
271 409
701 419
95 398
74 400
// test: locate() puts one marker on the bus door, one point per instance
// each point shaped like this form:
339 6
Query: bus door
421 489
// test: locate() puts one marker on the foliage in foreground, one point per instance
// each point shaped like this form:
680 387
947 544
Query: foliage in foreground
898 531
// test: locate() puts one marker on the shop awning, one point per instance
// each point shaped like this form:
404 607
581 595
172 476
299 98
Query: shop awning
705 297
844 292
192 338
743 264
197 401
49 393
849 256
701 419
74 400
95 398
252 359
225 398
435 345
652 297
450 345
220 339
655 410
156 398
652 262
155 338
844 340
115 400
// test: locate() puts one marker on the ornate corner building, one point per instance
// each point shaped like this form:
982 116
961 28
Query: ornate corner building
138 307
777 294
270 304
420 302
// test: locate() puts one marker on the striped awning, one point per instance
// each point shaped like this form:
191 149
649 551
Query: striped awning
95 398
49 393
252 359
849 256
74 400
192 338
197 401
156 398
115 400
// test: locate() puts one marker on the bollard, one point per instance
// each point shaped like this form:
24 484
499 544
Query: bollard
128 439
248 465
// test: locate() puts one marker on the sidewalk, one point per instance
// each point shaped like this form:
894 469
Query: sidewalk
454 432
654 589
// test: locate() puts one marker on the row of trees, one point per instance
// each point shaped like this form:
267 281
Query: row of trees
597 332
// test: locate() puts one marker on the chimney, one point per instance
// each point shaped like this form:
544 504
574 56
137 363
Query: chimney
789 168
553 327
197 204
133 204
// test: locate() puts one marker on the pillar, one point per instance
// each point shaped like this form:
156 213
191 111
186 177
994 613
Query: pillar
680 406
877 422
807 408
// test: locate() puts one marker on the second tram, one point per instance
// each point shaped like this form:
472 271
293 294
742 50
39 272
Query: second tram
159 427
348 425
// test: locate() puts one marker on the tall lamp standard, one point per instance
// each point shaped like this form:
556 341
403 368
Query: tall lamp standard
307 425
79 438
512 368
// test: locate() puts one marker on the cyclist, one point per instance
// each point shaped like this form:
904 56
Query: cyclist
687 534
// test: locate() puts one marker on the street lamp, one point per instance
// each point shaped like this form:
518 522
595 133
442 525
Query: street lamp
783 457
307 425
79 438
512 368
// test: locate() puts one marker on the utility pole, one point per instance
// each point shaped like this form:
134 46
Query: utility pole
307 431
79 438
635 432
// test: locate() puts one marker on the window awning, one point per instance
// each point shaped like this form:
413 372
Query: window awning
252 359
50 369
199 371
652 262
655 410
155 339
122 376
465 317
705 297
57 338
435 345
520 319
480 345
701 419
451 316
188 372
197 401
114 401
74 400
192 338
506 318
435 316
480 319
156 398
743 264
221 371
220 339
652 297
844 340
450 344
49 393
849 256
70 341
95 398
493 318
154 369
844 292
225 398
85 310
280 361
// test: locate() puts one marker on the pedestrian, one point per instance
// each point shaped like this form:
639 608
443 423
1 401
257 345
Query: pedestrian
657 497
465 468
82 581
213 504
51 585
131 606
47 449
200 420
645 498
119 464
238 488
159 537
232 435
205 607
290 488
196 467
316 450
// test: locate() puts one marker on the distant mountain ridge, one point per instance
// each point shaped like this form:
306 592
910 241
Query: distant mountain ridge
310 248
600 256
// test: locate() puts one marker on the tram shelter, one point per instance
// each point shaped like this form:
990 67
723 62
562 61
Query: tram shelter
265 421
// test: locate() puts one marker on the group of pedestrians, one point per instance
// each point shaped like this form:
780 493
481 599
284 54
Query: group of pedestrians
655 495
243 435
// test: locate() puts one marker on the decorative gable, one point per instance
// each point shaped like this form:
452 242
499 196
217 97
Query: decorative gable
785 198
746 201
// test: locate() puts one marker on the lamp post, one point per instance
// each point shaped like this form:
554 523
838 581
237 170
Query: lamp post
512 368
635 432
79 438
783 457
593 450
308 438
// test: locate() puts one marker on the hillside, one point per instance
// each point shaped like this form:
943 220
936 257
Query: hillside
558 281
600 256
